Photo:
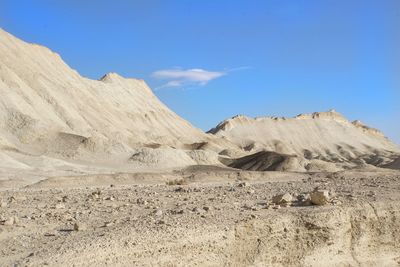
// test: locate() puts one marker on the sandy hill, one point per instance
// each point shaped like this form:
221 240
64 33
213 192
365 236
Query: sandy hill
326 136
44 100
48 110
40 93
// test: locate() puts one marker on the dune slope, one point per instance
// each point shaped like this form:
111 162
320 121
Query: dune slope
326 136
46 102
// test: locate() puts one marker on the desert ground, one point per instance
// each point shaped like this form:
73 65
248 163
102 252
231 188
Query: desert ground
102 173
203 216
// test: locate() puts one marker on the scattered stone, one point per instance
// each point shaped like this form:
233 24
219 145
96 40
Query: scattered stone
180 189
198 211
3 204
282 199
27 217
108 224
50 234
195 209
96 194
198 189
319 197
68 217
304 199
60 206
79 226
10 221
206 208
158 212
273 206
247 207
243 184
17 198
141 201
177 211
352 197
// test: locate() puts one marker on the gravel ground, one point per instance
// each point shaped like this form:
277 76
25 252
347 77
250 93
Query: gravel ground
205 222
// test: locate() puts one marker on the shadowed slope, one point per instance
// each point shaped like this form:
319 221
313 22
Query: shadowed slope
265 161
393 165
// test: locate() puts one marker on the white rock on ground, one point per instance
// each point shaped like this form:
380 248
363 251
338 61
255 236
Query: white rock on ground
320 197
282 199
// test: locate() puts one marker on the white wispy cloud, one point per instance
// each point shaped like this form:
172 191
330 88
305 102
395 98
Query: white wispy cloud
189 77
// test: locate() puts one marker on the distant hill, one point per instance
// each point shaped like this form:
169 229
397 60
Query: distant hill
326 136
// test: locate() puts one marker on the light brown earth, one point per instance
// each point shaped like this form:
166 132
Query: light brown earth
218 217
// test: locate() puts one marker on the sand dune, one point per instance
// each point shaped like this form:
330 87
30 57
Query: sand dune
45 102
326 136
47 108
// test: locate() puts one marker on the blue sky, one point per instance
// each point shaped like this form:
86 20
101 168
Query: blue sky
209 60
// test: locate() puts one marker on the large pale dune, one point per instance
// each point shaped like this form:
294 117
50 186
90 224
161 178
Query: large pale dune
48 109
42 97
